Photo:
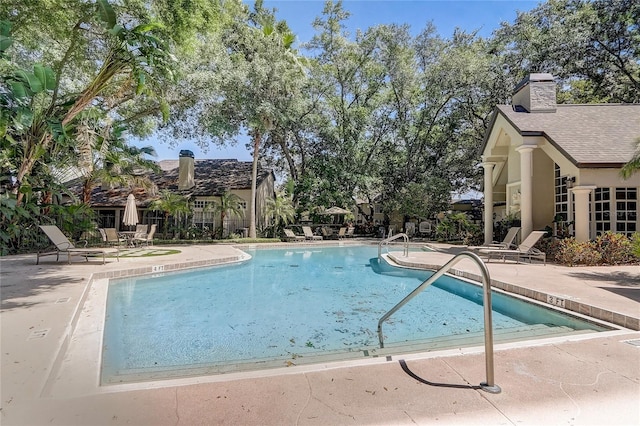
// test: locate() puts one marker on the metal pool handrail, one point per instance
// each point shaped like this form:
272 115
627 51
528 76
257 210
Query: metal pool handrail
489 384
405 237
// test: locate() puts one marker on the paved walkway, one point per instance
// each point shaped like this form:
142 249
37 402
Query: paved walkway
593 379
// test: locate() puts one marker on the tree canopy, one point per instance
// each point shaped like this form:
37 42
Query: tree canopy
386 114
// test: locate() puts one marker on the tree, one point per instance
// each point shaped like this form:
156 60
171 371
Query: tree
172 205
633 166
42 107
280 210
349 123
110 160
262 73
590 46
228 205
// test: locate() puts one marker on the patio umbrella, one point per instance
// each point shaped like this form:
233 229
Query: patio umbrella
130 217
336 211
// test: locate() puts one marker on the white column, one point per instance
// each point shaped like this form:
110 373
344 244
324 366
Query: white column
488 201
526 189
582 211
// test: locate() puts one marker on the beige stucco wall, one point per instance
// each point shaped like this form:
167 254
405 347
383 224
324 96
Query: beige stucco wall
501 150
606 178
543 194
264 191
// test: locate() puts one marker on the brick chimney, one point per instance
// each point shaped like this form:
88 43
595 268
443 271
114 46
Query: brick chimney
185 171
536 93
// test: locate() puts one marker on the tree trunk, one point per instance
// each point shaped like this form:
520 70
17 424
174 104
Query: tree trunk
254 179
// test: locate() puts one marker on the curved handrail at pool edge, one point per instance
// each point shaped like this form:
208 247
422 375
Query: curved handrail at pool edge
489 384
405 238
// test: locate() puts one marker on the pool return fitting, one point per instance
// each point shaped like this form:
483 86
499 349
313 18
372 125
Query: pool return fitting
488 385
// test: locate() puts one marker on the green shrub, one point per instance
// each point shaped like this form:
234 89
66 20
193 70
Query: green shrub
635 244
551 247
616 249
571 252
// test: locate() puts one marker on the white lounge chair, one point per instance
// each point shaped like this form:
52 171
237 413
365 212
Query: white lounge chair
342 232
145 238
63 245
425 229
525 250
291 236
308 234
506 243
141 231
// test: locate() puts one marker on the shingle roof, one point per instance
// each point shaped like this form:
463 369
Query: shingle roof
591 135
212 178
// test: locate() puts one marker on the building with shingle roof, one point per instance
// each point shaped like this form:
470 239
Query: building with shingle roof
203 181
551 164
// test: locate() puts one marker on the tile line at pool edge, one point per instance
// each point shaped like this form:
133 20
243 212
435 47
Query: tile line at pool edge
602 314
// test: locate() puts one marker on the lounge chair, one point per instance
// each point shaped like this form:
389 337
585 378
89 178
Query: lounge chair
425 229
328 234
291 236
141 231
506 243
112 237
308 234
342 232
350 231
525 250
63 245
146 238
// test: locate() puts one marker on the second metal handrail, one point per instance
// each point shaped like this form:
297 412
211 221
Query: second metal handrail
405 237
489 385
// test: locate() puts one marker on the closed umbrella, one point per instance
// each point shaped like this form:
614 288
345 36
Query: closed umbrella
130 217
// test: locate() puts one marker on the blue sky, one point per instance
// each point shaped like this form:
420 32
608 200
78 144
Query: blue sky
482 15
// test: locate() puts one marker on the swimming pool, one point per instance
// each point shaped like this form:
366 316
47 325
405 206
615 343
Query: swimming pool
292 306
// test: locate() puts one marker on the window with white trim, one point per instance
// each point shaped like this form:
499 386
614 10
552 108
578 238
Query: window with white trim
561 204
602 208
202 212
626 210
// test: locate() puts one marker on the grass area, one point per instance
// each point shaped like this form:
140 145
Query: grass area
147 252
225 241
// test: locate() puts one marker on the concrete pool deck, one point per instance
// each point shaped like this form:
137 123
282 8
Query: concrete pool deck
586 379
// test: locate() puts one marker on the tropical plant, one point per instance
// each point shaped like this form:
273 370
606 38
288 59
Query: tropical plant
635 244
18 225
43 109
633 166
110 160
74 219
227 205
172 205
280 211
455 226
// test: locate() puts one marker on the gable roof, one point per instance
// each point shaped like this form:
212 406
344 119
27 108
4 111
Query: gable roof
590 135
211 177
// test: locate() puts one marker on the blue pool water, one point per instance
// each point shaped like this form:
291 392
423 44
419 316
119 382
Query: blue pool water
284 305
